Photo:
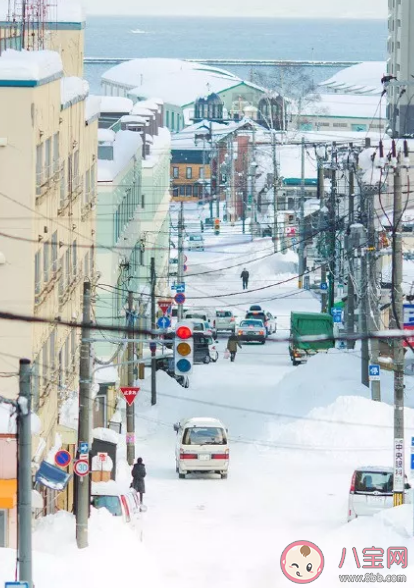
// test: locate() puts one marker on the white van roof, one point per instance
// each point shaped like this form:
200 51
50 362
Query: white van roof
373 469
202 422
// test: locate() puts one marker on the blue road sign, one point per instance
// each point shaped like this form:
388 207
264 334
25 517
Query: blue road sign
374 372
412 461
185 267
83 447
408 315
324 286
163 322
180 288
179 298
337 315
63 458
16 585
173 286
412 442
153 347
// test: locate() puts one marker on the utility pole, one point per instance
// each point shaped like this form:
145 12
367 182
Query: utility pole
275 183
364 303
130 412
85 380
332 230
397 294
302 219
372 293
24 474
350 305
153 336
180 269
321 194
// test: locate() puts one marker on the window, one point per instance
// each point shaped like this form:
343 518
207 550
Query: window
359 128
188 190
54 252
68 269
76 178
182 190
56 152
39 167
61 379
344 125
45 363
167 118
62 186
74 258
106 152
172 121
175 192
38 285
73 344
46 261
176 172
196 190
86 195
52 350
3 528
67 356
204 436
143 201
189 173
48 158
201 174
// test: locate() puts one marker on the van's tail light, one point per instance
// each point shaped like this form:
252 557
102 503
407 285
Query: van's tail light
224 455
125 504
261 332
240 332
352 488
188 455
232 319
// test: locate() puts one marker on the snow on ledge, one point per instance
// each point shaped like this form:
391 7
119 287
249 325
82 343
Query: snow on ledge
92 108
30 65
73 90
106 136
8 421
115 104
108 435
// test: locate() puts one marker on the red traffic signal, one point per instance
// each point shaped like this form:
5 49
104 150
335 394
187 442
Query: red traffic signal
217 222
184 332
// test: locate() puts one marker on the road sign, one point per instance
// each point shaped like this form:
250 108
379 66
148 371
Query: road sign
130 438
180 288
163 322
412 461
290 231
153 347
102 457
324 286
83 447
130 393
63 458
179 298
185 268
81 467
173 286
337 315
374 372
16 585
164 305
408 315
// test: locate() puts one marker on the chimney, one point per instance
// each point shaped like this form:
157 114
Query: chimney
144 149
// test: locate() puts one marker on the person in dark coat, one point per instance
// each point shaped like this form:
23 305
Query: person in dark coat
232 344
245 278
138 474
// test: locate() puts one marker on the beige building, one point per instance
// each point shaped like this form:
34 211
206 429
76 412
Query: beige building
48 160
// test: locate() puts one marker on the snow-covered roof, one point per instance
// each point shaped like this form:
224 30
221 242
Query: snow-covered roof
138 109
30 65
132 118
126 145
115 104
92 107
137 72
359 79
106 136
73 90
289 161
344 105
58 11
161 145
201 422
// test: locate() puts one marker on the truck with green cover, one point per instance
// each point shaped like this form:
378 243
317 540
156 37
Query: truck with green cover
306 324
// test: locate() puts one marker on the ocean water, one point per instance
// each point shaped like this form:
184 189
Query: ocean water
236 38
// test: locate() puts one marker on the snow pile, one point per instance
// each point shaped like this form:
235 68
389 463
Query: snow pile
29 65
126 145
8 421
50 458
161 146
103 434
69 412
73 89
106 136
92 107
361 78
115 104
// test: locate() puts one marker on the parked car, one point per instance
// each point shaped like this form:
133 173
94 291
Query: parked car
201 447
225 321
108 495
214 354
272 323
372 491
252 330
198 315
195 243
259 315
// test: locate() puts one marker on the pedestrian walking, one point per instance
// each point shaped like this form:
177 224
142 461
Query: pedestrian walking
232 344
245 278
138 474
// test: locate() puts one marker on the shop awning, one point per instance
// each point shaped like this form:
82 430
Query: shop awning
8 494
52 477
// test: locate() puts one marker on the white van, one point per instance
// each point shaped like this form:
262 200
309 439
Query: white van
202 446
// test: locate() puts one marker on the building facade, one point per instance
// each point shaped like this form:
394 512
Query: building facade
400 65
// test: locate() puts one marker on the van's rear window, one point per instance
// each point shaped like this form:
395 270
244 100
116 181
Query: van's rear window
374 482
204 436
111 503
223 313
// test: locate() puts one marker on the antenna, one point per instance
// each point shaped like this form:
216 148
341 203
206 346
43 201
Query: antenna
27 19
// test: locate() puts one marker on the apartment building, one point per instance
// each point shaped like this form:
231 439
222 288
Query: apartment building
48 158
400 65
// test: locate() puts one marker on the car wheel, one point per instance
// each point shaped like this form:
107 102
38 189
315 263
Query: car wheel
181 476
224 476
207 359
263 342
295 363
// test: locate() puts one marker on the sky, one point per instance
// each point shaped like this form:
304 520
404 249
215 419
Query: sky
273 8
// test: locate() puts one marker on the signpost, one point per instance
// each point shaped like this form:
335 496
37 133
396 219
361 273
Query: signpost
337 315
290 231
374 373
324 286
102 457
81 467
180 288
63 458
163 322
179 298
164 305
185 268
83 449
398 465
130 394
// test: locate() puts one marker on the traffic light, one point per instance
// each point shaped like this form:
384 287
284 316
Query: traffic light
217 226
183 349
